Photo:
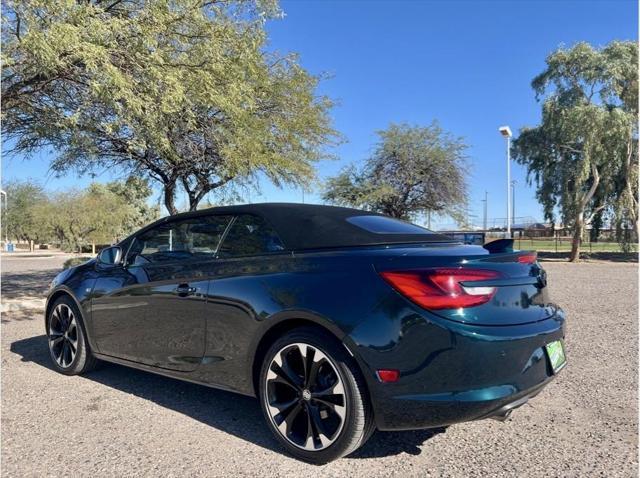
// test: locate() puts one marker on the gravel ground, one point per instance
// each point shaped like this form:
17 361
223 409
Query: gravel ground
121 422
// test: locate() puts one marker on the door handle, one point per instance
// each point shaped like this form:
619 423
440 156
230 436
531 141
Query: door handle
183 290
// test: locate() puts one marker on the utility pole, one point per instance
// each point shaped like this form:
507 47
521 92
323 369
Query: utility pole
513 201
429 220
484 211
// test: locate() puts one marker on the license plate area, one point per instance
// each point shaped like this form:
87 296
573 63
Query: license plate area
557 357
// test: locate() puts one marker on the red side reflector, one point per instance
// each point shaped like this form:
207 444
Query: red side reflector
388 376
441 288
528 258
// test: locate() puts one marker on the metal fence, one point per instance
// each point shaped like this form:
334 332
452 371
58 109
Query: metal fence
563 244
556 243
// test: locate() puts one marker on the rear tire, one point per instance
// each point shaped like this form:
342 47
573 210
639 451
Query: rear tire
313 396
68 345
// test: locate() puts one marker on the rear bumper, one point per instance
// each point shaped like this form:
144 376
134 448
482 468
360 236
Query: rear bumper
452 373
504 411
422 411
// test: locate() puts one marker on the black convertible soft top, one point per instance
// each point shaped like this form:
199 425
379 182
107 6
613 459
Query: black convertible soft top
312 226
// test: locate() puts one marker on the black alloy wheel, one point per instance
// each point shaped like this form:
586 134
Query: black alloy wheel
313 396
305 396
68 347
63 335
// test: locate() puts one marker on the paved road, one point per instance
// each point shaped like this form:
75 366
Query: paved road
121 422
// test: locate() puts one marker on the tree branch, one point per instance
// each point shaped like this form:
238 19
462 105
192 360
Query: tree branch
592 190
593 214
18 24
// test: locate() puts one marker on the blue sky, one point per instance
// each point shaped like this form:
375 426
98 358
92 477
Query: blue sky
468 64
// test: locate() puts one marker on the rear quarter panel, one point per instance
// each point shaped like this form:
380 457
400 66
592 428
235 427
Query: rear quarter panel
338 289
248 296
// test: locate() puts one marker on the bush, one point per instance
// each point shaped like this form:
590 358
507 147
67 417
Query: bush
75 261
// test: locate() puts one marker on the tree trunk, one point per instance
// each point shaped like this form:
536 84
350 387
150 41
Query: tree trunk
196 198
201 189
577 237
93 248
193 201
629 165
170 198
579 222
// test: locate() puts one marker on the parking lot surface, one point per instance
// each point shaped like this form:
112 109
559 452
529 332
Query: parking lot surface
121 422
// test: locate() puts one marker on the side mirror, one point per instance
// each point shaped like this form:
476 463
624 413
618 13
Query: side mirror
111 256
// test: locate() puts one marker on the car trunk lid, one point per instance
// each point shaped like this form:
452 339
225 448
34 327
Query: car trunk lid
473 285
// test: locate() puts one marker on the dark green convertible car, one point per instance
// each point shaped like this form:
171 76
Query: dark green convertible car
340 321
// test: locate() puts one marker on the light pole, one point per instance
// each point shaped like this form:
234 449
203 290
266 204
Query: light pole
484 211
513 201
505 131
6 204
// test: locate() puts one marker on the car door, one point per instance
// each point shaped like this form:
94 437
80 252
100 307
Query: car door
152 309
247 285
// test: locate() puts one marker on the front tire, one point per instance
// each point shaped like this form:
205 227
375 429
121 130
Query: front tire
313 396
68 345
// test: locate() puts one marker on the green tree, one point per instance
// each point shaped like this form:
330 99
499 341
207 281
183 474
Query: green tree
22 218
135 192
583 156
413 170
77 217
99 214
92 216
105 214
182 92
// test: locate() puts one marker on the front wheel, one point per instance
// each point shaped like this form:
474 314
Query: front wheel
313 396
68 345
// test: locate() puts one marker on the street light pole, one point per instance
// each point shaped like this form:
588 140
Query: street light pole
484 211
505 131
513 201
6 230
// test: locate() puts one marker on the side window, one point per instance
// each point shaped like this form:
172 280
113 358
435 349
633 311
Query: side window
196 238
250 235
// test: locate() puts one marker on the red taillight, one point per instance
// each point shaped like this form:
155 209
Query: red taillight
441 288
528 258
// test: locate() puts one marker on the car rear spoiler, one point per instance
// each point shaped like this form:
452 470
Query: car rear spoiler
499 245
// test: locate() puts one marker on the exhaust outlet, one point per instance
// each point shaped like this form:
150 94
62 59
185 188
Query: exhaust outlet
501 417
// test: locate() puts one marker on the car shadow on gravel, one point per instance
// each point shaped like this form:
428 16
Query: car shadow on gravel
229 412
383 444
